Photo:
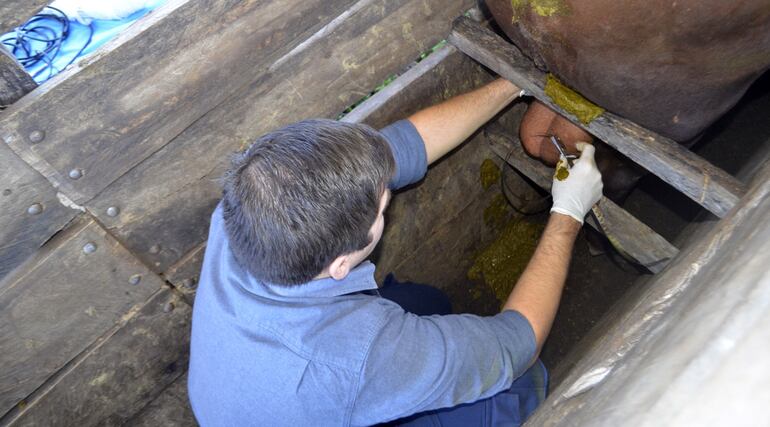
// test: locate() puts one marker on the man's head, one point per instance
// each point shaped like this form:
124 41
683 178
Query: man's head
306 200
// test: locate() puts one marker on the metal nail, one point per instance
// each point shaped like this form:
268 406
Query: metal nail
76 173
89 247
154 249
169 307
35 209
36 136
188 283
135 279
113 211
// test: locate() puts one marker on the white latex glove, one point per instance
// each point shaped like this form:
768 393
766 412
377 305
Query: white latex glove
578 192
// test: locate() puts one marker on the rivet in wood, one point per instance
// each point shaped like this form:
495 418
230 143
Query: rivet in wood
188 283
113 211
89 247
75 174
36 136
169 307
154 249
135 279
35 209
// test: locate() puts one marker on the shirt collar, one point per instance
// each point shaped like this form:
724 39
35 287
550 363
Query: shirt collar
360 278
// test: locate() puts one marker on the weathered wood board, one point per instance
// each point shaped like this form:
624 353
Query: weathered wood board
14 80
171 408
712 306
78 286
120 373
646 246
150 83
698 179
30 212
166 201
15 12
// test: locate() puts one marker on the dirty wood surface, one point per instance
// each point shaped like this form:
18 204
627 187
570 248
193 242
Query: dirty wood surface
54 306
167 200
15 12
709 186
171 408
646 246
710 305
120 373
14 80
151 82
30 212
185 273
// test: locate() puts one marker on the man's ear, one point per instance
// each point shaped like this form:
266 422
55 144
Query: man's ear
340 267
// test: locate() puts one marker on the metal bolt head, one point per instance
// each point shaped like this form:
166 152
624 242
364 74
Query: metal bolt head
154 249
169 307
113 211
76 173
89 247
188 283
135 279
36 136
35 209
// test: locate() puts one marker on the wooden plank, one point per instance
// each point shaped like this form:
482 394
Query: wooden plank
30 212
171 408
150 83
671 354
698 179
646 246
120 373
15 12
184 274
15 82
167 200
76 287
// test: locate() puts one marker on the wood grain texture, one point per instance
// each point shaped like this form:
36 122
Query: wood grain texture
646 246
54 306
14 80
670 353
698 179
167 200
120 373
151 82
16 12
23 231
171 408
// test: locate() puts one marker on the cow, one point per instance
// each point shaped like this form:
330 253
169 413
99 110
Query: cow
672 66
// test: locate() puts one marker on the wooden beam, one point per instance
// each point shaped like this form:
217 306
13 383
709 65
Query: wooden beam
641 242
167 199
119 373
149 83
15 82
698 179
15 12
690 346
78 286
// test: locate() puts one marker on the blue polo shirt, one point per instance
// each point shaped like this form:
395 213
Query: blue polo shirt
325 354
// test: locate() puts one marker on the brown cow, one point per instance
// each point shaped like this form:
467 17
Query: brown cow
672 66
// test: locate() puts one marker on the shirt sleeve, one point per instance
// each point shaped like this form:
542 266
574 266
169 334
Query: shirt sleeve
408 151
417 363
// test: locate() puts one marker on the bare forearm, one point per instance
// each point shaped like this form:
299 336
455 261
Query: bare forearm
537 293
444 126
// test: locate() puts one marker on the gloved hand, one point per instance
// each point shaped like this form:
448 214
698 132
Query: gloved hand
575 194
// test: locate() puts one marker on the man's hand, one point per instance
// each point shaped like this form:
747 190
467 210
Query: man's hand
576 190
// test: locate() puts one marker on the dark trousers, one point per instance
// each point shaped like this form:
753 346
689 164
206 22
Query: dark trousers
508 408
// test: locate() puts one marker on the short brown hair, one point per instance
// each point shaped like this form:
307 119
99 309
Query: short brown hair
303 195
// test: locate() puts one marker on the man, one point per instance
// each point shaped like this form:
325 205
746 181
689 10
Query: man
288 328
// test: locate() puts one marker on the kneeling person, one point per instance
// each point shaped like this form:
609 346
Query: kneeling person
288 327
